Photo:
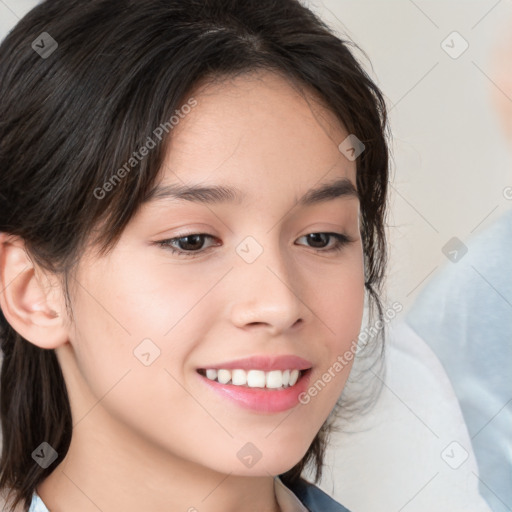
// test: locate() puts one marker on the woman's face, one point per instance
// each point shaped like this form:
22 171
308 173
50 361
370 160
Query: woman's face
148 322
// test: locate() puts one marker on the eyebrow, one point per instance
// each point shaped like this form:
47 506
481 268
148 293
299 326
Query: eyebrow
214 194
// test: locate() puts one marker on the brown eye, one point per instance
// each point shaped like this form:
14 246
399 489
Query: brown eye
319 241
191 242
183 245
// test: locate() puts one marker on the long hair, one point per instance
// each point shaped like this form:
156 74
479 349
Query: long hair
83 85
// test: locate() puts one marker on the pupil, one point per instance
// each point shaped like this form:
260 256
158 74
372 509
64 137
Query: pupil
197 238
312 236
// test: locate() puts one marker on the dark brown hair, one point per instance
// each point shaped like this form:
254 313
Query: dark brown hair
71 118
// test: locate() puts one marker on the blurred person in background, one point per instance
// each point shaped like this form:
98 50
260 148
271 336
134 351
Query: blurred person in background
465 315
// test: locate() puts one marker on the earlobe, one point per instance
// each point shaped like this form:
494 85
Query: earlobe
28 302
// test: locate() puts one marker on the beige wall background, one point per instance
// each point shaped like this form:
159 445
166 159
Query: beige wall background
451 163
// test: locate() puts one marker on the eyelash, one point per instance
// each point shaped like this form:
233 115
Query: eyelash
341 242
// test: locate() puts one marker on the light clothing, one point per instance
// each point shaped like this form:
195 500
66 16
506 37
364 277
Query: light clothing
465 315
37 504
412 451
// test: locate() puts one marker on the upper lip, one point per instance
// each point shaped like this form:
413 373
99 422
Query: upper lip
265 363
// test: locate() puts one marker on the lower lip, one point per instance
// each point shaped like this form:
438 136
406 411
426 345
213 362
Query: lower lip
261 399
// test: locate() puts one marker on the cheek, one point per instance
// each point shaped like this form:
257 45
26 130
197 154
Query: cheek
338 299
131 315
339 305
126 360
346 310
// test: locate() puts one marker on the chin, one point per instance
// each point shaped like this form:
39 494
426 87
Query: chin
251 461
264 469
278 461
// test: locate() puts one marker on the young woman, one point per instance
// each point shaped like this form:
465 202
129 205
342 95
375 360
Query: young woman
192 211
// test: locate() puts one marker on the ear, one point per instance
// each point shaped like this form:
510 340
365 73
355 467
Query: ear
31 300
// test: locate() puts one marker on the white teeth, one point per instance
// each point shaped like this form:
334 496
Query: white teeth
211 374
256 379
223 376
239 377
294 375
274 379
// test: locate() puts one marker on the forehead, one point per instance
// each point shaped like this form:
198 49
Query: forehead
256 131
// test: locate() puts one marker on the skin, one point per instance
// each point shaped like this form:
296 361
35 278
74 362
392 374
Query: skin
155 437
501 94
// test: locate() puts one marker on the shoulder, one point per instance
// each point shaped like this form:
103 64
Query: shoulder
485 255
480 281
313 497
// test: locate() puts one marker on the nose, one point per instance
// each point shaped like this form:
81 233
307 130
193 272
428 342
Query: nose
266 294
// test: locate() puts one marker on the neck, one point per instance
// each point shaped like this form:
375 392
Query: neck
106 468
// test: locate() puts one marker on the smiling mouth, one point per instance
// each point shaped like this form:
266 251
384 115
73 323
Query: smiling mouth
272 380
